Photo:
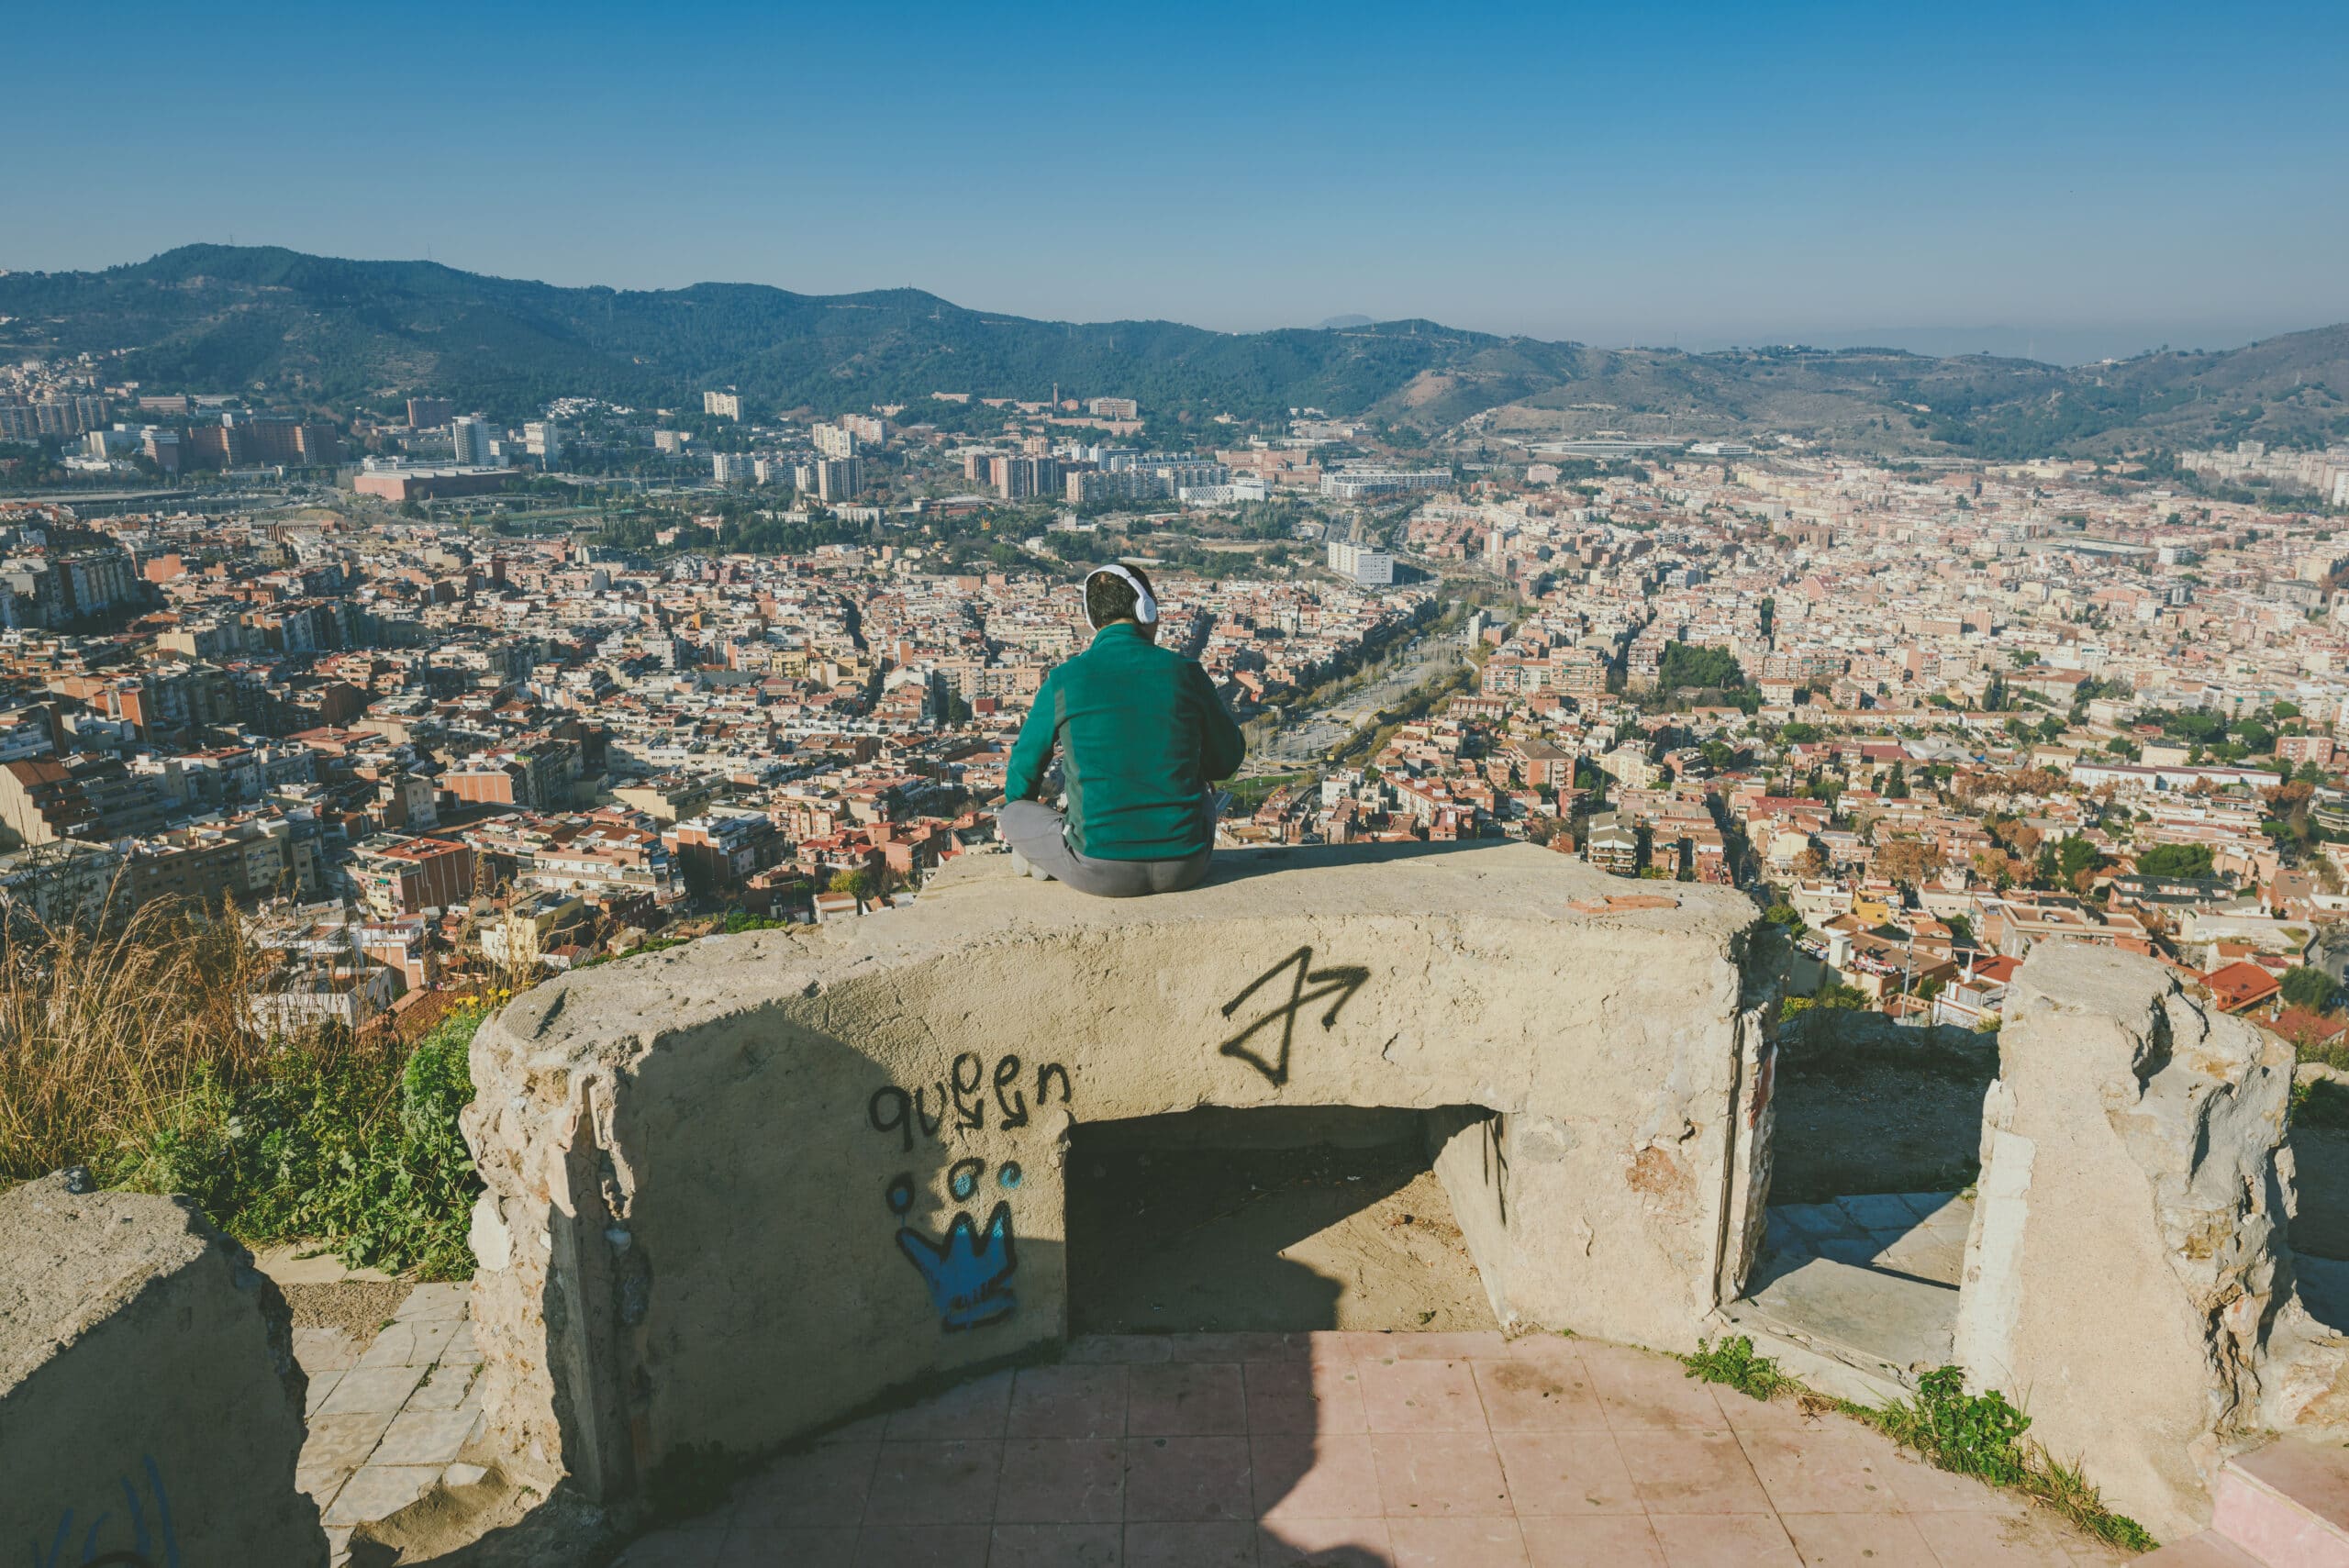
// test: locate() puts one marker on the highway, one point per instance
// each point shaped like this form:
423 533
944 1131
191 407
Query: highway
1312 731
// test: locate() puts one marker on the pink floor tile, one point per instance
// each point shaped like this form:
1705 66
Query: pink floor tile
1068 1401
685 1548
938 1482
1123 1349
1420 1396
825 1486
922 1546
1238 1348
1056 1546
1924 1488
1826 1471
1062 1481
1301 1477
1526 1395
1457 1543
1723 1540
973 1410
1187 1479
1991 1540
1324 1543
1637 1389
1458 1346
750 1548
1565 1473
1304 1396
1591 1541
1858 1541
1185 1399
1785 1413
1190 1546
1425 1474
1691 1472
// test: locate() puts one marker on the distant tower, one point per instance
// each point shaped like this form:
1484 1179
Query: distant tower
469 433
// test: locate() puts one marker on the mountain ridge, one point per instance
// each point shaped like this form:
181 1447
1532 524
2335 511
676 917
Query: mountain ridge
336 333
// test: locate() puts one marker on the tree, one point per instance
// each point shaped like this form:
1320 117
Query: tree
2175 860
1895 786
2309 988
1909 862
1999 868
864 883
1687 664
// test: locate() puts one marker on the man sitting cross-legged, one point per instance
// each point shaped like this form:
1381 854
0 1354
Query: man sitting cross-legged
1140 734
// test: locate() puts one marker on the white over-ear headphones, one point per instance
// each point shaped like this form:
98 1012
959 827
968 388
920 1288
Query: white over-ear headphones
1145 602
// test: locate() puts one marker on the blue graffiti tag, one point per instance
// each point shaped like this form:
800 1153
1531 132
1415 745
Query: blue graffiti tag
969 1274
143 1539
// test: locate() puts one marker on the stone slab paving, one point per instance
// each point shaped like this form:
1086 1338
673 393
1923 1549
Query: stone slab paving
1405 1451
387 1419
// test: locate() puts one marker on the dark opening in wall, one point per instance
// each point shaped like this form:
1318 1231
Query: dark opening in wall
1272 1220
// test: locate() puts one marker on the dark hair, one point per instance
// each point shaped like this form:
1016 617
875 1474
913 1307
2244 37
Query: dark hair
1110 597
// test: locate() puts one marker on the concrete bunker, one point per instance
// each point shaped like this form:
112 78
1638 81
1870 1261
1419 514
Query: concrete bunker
1274 1220
743 1190
1873 1160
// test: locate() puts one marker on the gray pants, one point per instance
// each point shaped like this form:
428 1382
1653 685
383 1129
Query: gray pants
1038 834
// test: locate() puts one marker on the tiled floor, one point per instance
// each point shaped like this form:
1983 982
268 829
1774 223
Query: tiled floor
1409 1451
388 1418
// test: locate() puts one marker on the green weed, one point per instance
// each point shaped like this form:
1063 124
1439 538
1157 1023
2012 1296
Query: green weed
1732 1361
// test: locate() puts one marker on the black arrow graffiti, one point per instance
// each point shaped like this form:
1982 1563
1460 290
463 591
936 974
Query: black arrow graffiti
1340 981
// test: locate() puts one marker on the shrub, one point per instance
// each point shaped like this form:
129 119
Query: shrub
1982 1435
127 1049
1732 1361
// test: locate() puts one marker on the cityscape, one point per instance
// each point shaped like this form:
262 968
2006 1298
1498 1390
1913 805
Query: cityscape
1771 984
403 706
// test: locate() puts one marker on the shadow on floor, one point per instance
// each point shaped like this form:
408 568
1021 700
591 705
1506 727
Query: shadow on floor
1269 1220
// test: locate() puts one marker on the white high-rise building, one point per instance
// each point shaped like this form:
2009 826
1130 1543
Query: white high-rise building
471 435
833 440
544 439
1367 567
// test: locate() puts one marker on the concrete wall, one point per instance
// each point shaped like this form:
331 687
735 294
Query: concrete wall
148 1400
2127 1259
740 1190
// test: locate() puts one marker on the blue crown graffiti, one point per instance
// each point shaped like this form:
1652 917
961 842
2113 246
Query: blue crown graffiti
968 1273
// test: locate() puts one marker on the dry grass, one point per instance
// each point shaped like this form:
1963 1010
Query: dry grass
127 1046
106 1031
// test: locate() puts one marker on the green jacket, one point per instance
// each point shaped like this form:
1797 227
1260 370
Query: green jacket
1142 733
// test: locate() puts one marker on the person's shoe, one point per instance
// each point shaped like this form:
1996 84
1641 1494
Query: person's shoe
1022 866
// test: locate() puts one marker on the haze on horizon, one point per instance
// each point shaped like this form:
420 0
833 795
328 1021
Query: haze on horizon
2072 187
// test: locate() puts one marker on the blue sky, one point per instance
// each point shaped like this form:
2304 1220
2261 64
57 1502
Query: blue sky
2080 173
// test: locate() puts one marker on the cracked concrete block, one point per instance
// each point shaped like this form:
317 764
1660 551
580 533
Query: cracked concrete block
150 1400
2122 1276
738 1189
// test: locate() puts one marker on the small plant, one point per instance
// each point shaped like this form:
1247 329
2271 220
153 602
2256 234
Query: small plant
1982 1435
1734 1362
129 1045
1975 1434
